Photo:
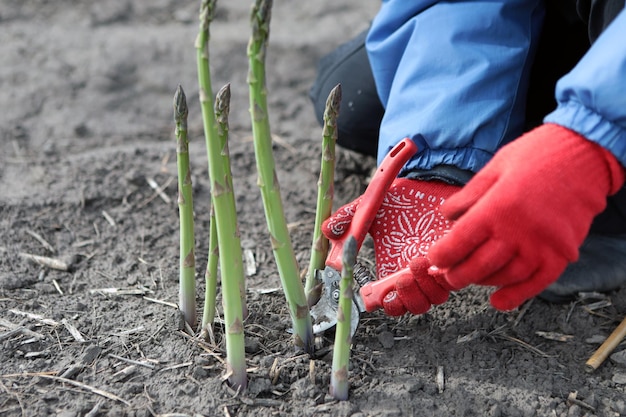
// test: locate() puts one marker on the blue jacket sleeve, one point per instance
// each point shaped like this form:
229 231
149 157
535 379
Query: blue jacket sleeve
453 76
592 97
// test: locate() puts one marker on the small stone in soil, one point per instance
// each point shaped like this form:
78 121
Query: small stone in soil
252 345
50 396
257 386
619 357
382 328
386 339
188 388
619 378
199 372
430 389
133 388
91 353
415 386
303 388
201 361
574 411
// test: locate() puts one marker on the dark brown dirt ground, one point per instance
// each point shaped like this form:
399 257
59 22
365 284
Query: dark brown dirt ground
86 119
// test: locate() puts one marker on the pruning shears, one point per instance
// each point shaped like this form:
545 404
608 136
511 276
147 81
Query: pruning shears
371 293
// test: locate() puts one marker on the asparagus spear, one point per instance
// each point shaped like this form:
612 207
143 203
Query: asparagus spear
268 183
325 191
187 292
339 383
222 108
231 259
210 278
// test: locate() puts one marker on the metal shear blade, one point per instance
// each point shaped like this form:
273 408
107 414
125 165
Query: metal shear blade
324 312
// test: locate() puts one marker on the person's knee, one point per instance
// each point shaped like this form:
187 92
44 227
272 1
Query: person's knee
360 111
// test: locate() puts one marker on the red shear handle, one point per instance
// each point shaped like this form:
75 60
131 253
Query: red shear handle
374 292
372 199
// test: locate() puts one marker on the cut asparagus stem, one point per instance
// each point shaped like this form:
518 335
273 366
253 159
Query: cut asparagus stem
187 293
607 347
268 183
230 256
325 192
339 384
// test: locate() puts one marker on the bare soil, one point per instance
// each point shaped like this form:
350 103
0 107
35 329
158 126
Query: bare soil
87 120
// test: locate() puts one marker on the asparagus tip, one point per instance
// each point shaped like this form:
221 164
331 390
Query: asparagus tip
331 112
207 12
349 251
334 99
261 15
222 101
180 105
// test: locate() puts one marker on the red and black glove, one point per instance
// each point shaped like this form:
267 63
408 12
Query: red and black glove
522 218
405 227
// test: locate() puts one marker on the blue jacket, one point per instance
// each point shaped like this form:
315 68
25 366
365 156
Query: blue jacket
453 77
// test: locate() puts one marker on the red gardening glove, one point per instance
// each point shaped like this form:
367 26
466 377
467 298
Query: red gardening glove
417 293
522 218
406 224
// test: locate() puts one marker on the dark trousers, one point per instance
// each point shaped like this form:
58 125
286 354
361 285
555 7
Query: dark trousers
569 29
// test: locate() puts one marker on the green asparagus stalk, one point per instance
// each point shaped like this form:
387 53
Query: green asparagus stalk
230 254
325 192
222 108
339 383
268 183
187 293
210 278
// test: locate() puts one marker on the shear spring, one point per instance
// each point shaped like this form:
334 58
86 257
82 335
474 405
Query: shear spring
362 275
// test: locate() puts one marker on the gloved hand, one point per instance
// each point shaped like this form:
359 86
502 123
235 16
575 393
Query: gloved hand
522 218
418 291
405 226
